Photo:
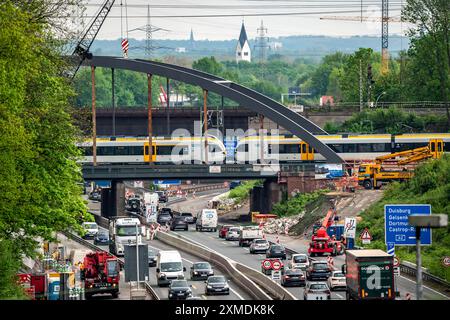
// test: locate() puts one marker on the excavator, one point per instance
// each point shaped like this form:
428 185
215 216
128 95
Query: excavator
374 175
321 242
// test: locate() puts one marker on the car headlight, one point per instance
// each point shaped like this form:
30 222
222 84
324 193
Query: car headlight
195 272
225 286
209 286
210 272
162 275
170 294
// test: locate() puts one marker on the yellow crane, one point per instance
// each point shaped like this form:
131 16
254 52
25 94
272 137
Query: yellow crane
384 19
373 175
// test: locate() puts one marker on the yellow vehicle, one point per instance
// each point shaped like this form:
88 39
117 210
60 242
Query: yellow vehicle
373 175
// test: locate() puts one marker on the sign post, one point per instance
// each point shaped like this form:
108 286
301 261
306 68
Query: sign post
365 236
350 231
276 275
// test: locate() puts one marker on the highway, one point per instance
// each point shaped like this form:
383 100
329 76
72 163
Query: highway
232 250
198 286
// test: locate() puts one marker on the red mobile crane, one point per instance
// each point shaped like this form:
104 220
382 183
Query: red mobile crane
100 274
321 242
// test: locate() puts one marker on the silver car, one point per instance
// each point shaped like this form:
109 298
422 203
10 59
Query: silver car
233 233
299 261
259 245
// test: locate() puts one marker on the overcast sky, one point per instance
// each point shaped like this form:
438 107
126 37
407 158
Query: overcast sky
303 18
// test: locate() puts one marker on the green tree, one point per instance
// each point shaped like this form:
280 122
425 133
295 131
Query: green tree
40 176
430 43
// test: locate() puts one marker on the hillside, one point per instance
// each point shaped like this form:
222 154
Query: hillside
430 185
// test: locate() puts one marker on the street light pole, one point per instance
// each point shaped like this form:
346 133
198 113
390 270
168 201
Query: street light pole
137 256
419 289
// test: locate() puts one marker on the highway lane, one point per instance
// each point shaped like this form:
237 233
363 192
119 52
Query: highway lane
198 287
232 250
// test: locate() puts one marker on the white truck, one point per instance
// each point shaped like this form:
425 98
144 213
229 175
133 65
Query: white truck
150 206
169 266
206 220
122 231
248 234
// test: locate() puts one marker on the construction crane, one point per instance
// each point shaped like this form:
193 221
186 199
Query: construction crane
374 175
434 150
384 30
81 50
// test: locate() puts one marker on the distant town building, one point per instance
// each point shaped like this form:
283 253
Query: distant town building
326 101
191 40
243 52
274 45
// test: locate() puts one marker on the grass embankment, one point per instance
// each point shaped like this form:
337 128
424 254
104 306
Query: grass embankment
430 185
297 204
241 193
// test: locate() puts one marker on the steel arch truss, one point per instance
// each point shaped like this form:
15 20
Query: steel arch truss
288 119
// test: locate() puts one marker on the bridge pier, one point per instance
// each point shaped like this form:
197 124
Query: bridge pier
113 200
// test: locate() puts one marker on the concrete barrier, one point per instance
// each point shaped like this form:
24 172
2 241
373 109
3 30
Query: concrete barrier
224 263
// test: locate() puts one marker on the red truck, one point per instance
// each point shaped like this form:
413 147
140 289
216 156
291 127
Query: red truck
321 242
101 274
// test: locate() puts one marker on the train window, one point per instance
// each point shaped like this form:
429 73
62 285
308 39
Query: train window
87 151
105 151
350 148
241 148
447 147
311 149
433 146
338 148
409 146
439 147
381 147
136 150
146 150
289 148
122 151
164 150
364 147
303 148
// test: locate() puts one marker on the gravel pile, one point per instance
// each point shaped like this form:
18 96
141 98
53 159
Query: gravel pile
281 225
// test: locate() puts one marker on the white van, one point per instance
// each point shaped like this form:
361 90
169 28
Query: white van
169 267
206 219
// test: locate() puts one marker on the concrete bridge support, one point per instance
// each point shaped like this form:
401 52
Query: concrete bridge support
113 200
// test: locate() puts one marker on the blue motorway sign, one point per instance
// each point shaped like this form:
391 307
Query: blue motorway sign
174 182
398 231
230 145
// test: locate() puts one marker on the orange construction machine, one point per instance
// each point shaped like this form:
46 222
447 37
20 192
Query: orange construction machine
374 175
321 242
100 274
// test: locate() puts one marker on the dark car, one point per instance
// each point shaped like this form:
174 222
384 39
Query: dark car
179 289
234 184
101 238
163 218
201 270
179 223
276 251
133 205
223 231
293 277
162 196
189 217
95 196
318 270
217 284
152 254
166 210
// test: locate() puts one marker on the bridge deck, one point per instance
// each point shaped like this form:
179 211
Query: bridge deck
200 171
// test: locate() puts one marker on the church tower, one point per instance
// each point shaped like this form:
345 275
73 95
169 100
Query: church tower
243 52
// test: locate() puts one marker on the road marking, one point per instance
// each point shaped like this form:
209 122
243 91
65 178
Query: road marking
426 287
339 296
194 287
204 297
